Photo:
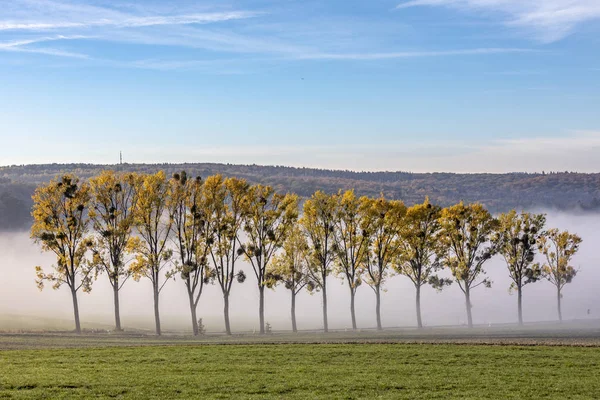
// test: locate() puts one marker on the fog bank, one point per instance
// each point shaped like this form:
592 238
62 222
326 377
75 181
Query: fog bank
23 306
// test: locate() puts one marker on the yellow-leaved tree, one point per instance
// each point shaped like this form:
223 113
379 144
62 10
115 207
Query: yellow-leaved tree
516 240
558 247
187 203
382 223
224 211
114 196
351 247
465 239
291 268
267 221
153 221
318 225
419 246
60 226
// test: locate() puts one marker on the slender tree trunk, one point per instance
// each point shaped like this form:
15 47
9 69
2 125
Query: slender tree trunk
378 307
261 308
468 305
192 309
76 311
558 299
117 308
226 313
294 328
520 304
352 312
418 305
156 311
325 326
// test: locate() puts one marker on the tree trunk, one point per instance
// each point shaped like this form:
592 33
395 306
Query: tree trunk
76 311
418 305
156 311
378 307
468 305
558 298
520 304
226 313
192 309
294 328
325 326
352 312
261 309
117 309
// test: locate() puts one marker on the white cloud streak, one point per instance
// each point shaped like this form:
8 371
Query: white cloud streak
228 66
179 27
412 54
134 22
78 20
25 42
21 46
48 52
550 20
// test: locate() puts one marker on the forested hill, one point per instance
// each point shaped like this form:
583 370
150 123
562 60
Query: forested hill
498 192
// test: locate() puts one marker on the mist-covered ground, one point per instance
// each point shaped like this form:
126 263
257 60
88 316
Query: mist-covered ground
23 306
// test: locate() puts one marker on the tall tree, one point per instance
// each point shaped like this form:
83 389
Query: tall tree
558 247
290 268
190 234
318 224
154 222
268 219
383 223
114 196
516 240
60 225
466 232
419 246
351 247
224 210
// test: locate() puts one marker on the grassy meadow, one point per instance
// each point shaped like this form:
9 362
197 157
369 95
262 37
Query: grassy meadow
302 371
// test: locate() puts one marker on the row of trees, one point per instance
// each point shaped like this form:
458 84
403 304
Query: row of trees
128 225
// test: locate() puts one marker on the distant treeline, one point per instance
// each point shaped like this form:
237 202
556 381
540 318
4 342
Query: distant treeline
126 225
497 192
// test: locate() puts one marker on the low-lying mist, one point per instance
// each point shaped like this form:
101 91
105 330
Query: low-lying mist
23 306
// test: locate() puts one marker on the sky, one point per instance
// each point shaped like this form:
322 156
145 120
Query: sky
411 85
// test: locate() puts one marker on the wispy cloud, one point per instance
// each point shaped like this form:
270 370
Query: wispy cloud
48 52
139 23
130 22
413 54
193 64
251 33
21 46
550 20
210 66
25 42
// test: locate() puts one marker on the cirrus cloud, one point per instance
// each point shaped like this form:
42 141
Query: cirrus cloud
549 20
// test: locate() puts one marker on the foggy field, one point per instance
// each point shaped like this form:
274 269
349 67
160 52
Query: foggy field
302 371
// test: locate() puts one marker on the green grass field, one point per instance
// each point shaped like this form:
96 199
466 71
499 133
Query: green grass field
302 371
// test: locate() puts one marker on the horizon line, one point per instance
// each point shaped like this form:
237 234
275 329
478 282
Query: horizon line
117 164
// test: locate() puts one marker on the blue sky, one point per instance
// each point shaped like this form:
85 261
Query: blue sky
424 85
